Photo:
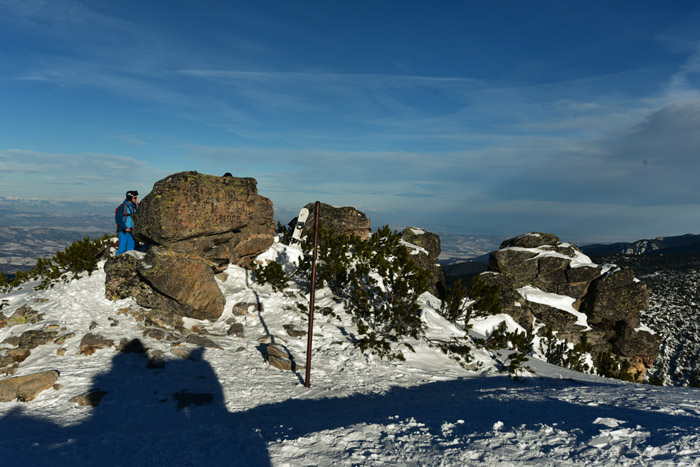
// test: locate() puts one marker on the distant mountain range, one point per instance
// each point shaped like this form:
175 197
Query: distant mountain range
679 245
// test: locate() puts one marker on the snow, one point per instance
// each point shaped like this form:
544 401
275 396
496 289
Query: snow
560 302
579 260
359 410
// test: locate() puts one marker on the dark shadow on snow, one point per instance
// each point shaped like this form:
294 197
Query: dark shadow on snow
180 418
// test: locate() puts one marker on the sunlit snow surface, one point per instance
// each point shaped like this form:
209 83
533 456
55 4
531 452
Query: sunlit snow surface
360 410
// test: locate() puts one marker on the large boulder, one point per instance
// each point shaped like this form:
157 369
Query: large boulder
219 219
425 247
189 282
167 282
344 220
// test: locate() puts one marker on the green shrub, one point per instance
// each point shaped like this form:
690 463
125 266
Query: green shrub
558 352
485 296
455 305
273 274
378 281
80 256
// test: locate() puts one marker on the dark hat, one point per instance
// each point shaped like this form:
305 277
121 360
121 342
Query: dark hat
132 193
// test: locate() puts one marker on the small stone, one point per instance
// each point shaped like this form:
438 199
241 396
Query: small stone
242 309
92 342
27 387
294 332
182 353
222 276
270 338
61 339
91 398
53 327
58 387
13 341
277 350
236 329
123 311
61 352
93 325
19 355
41 300
6 360
131 346
156 361
202 341
113 322
154 333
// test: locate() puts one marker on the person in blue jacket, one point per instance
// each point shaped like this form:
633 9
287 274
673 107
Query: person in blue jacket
125 222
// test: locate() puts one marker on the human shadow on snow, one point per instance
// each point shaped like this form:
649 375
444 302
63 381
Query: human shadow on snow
177 416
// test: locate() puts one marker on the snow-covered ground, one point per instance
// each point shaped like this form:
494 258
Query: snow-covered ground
229 407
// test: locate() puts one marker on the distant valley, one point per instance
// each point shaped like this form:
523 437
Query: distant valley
20 248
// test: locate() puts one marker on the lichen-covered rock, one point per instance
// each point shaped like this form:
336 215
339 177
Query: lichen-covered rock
616 296
219 219
34 338
516 264
189 282
26 388
165 281
345 220
642 344
425 247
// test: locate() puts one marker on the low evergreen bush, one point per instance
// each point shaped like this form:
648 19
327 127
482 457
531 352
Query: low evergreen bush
80 256
379 283
272 273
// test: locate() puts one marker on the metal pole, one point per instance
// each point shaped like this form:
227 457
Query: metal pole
307 381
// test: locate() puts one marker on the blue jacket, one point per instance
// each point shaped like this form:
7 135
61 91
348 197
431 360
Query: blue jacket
125 221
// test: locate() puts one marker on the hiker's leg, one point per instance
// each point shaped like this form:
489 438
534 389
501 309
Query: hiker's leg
130 243
122 242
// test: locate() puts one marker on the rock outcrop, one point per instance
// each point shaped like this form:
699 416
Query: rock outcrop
194 225
345 220
540 279
218 219
425 247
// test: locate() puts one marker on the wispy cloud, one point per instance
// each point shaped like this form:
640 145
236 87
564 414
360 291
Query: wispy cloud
98 176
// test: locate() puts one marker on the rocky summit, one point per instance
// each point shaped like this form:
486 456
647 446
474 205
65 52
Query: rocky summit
221 220
542 281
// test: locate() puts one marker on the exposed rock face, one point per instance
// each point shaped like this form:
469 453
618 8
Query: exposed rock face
167 282
610 300
425 247
346 220
219 219
189 282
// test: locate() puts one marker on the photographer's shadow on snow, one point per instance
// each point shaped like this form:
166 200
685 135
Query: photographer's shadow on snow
176 415
150 414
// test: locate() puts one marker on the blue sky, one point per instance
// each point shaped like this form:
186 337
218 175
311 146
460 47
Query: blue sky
578 118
